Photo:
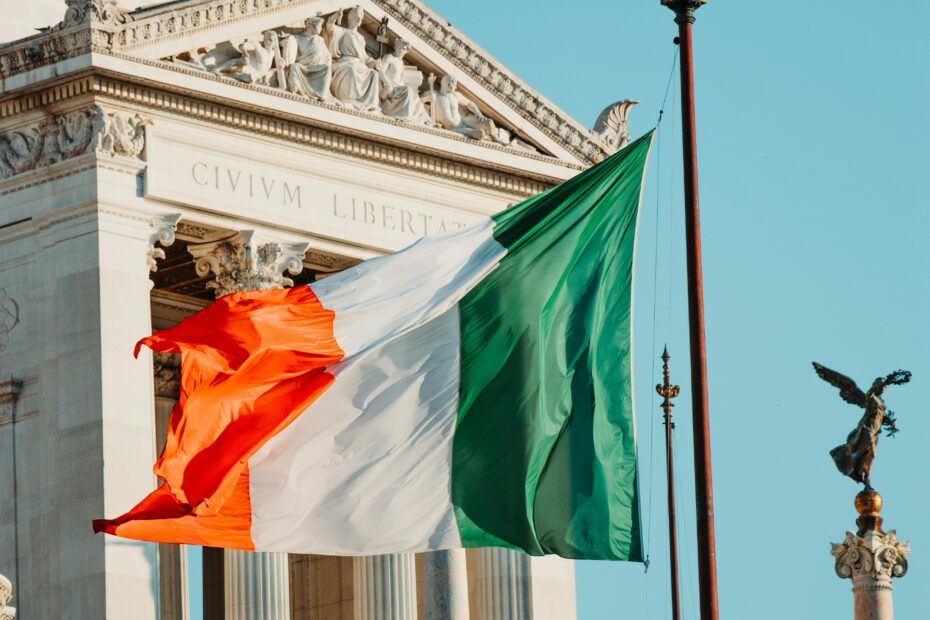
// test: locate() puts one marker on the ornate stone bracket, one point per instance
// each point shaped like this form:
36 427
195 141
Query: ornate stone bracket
248 262
871 560
9 317
6 595
163 231
70 135
611 125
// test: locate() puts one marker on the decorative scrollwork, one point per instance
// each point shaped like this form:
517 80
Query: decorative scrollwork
247 263
70 135
874 555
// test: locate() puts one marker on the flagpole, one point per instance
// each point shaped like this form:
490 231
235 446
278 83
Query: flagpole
704 493
668 391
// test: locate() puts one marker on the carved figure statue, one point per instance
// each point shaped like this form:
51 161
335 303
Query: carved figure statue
854 458
399 96
308 62
452 110
255 62
356 81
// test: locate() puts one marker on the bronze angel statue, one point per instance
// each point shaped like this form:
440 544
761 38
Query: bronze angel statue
854 458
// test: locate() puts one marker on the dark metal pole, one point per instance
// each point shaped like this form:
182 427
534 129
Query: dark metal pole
704 492
668 391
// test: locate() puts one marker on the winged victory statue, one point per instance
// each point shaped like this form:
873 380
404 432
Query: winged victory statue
854 458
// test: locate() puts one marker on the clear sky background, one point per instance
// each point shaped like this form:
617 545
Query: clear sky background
815 194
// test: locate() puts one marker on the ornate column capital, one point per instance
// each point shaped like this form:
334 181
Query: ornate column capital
250 261
684 9
6 595
871 560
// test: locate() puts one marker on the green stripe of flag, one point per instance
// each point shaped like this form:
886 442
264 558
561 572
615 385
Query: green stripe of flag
544 455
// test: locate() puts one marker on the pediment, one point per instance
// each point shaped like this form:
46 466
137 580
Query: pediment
267 45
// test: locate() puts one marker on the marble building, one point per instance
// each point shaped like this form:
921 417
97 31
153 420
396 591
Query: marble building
154 159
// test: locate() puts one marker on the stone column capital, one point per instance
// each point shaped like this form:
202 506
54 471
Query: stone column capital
871 560
6 595
249 261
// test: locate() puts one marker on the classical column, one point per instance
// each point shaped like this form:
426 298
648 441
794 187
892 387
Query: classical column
503 585
385 587
6 595
445 585
172 559
256 584
870 558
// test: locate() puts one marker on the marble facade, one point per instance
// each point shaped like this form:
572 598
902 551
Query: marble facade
151 160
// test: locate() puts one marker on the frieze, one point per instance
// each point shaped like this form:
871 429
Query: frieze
64 136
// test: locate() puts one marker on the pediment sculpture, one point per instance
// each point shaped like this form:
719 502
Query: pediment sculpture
333 59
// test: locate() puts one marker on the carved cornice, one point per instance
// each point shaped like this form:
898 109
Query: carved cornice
56 138
871 560
45 49
165 23
414 15
344 141
491 74
174 23
248 262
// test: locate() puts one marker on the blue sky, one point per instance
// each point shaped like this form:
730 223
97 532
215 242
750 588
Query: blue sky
815 197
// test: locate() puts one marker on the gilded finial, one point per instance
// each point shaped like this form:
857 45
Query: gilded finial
666 390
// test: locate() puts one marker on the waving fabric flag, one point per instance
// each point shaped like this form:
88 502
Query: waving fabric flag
471 390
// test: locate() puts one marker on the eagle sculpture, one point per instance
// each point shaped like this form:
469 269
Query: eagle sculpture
854 458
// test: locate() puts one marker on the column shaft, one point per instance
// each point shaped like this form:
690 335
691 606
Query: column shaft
385 587
445 585
172 559
503 584
256 586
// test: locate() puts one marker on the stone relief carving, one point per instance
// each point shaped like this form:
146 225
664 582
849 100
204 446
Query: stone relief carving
874 557
122 134
167 367
248 262
186 20
452 110
6 595
331 60
611 124
63 136
9 317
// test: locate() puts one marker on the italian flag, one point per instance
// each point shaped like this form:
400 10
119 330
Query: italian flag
471 390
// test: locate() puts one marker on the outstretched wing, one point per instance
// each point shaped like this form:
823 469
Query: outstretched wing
898 377
849 391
